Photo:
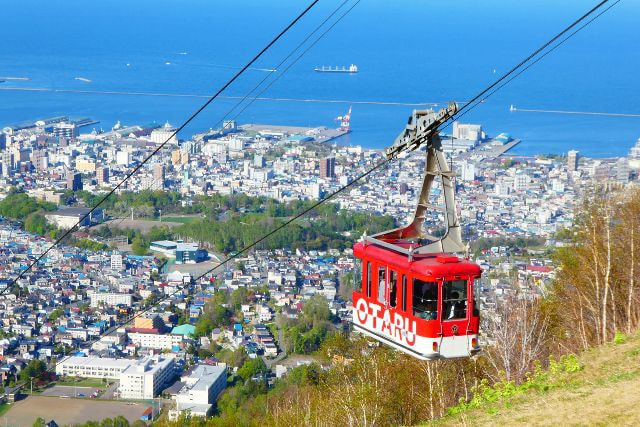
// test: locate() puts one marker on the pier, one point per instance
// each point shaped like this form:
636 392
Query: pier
317 134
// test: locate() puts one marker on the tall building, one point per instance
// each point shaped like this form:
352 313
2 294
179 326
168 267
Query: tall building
467 171
65 130
7 163
74 181
258 161
468 132
40 159
200 391
102 175
328 167
622 170
158 176
3 141
403 188
123 158
116 261
147 377
572 160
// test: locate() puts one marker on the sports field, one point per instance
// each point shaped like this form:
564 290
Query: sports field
68 411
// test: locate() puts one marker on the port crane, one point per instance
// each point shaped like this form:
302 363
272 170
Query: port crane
415 293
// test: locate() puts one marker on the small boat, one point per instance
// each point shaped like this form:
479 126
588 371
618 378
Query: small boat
352 69
83 79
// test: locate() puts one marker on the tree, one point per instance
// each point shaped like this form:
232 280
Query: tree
139 246
33 369
55 314
120 421
39 422
316 310
251 368
36 223
519 336
595 294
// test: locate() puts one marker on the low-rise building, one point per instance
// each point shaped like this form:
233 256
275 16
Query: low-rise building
69 217
201 390
156 341
109 298
92 367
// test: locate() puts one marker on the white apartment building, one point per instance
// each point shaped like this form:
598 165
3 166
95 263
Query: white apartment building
92 367
155 341
200 391
116 261
111 299
147 377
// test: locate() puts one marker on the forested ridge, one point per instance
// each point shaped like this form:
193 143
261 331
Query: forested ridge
229 223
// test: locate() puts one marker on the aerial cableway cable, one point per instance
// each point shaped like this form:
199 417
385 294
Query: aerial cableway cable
542 56
481 96
494 87
276 78
285 59
161 146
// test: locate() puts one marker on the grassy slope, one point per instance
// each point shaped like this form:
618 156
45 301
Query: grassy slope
605 391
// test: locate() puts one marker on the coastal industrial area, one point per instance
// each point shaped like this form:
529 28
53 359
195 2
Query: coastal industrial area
133 314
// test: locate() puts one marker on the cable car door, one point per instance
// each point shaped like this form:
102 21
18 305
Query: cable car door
454 318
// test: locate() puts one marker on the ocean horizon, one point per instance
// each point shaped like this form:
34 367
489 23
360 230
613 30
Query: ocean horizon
426 52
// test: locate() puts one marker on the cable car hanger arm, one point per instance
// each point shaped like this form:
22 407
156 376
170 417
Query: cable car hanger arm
423 127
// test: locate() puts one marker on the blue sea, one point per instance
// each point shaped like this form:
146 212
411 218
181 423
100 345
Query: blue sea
407 51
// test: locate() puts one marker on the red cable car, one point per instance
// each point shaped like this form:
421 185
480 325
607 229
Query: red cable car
416 294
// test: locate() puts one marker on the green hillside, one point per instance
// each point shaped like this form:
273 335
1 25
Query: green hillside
599 387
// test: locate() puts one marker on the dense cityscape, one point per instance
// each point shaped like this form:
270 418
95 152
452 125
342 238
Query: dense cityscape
128 309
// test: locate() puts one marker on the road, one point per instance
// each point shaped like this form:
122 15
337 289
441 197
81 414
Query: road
279 357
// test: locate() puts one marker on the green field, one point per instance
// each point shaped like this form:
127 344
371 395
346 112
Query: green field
4 407
598 387
180 219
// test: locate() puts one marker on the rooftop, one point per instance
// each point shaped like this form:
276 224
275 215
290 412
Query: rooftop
104 362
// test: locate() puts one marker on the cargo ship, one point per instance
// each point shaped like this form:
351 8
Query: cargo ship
352 69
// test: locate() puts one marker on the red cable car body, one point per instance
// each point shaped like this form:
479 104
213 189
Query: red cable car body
415 293
411 304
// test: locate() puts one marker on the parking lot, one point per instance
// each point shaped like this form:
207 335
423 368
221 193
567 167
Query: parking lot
68 391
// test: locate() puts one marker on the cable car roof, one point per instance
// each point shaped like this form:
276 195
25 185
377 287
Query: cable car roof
436 264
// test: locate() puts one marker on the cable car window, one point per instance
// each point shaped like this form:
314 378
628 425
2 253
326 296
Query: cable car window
368 279
382 275
454 294
358 279
425 299
393 285
476 297
404 293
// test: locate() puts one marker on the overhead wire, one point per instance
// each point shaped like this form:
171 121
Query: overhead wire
480 96
280 75
547 52
161 146
268 76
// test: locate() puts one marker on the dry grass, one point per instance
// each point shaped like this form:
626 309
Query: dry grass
605 392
